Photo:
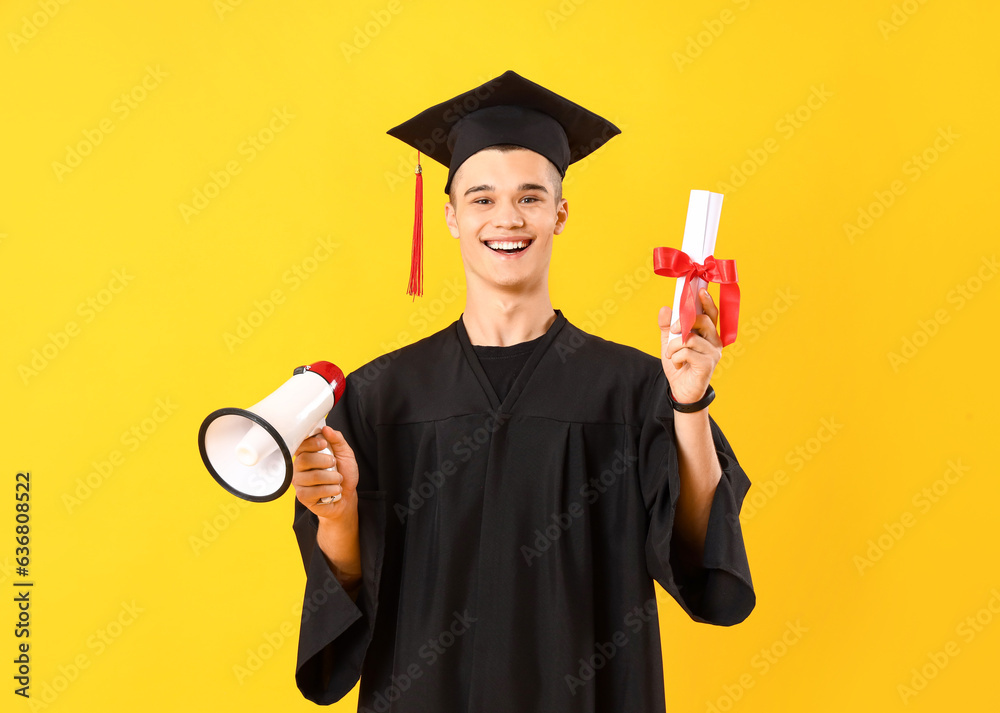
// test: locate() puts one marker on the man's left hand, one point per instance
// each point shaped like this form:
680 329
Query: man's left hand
689 367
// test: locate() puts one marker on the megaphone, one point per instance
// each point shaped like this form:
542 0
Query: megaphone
249 451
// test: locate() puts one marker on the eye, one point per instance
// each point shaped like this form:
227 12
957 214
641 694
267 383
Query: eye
482 201
531 199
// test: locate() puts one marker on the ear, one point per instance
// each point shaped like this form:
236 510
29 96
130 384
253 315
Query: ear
451 219
562 215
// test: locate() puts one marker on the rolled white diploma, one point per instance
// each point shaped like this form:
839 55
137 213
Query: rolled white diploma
700 230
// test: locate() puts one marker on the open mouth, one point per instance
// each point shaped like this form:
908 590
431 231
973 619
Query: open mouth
508 247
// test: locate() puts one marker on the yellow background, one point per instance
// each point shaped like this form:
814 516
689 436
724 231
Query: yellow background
700 90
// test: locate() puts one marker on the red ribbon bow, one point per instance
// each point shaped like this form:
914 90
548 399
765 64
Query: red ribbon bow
670 262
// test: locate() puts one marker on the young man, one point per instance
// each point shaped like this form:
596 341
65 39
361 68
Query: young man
502 494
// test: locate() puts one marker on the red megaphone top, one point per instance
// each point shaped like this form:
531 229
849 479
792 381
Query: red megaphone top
329 371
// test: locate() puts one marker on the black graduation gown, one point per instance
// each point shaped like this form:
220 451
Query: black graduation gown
509 549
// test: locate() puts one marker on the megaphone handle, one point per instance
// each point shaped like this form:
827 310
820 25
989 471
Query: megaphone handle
317 429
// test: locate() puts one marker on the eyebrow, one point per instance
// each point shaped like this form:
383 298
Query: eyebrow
523 187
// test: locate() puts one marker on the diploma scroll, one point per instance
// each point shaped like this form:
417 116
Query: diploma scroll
700 230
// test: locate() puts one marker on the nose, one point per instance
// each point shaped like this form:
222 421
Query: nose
507 216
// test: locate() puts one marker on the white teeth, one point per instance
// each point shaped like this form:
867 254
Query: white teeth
507 244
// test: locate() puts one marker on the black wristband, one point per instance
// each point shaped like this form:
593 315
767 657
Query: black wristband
692 407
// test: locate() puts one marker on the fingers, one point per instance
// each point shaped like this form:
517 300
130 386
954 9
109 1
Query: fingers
316 480
320 490
663 319
313 468
701 326
314 463
338 444
704 326
708 304
325 473
695 343
679 354
313 443
313 496
709 343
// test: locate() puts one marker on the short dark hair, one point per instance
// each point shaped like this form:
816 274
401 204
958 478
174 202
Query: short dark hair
505 148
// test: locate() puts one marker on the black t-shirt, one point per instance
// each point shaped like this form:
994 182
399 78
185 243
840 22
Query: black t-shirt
503 364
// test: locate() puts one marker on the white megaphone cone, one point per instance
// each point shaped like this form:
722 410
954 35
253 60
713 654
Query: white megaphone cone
249 452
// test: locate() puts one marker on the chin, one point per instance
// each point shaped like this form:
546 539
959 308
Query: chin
518 283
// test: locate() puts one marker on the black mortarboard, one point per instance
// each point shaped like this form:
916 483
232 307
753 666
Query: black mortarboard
506 110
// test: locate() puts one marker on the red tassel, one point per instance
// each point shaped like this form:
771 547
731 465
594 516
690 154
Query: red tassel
416 286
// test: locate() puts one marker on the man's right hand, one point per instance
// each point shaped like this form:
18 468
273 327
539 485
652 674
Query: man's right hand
316 476
320 475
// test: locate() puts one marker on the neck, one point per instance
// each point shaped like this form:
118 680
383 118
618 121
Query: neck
497 318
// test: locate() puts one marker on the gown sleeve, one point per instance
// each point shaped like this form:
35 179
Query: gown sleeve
718 589
335 631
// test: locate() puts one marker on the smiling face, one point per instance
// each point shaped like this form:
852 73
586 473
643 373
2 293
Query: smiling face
507 207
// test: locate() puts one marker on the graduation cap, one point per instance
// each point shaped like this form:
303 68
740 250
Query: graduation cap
508 109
